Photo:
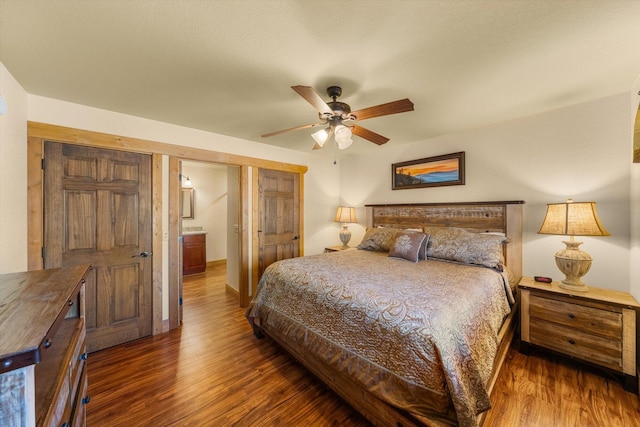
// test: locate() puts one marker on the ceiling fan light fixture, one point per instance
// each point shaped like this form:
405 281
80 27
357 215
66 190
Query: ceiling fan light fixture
343 136
320 137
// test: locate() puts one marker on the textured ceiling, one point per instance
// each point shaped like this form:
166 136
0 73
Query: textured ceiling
227 66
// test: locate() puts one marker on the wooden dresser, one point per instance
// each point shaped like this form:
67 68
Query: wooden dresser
598 326
194 253
43 376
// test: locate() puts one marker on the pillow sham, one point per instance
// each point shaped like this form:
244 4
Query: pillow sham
456 244
378 239
407 245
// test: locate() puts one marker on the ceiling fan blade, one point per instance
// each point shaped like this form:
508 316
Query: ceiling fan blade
400 106
312 97
313 125
370 135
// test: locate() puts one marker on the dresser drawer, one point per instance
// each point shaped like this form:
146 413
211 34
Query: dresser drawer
595 321
59 410
77 365
79 408
591 348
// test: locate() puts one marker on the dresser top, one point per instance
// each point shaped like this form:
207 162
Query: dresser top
30 303
595 294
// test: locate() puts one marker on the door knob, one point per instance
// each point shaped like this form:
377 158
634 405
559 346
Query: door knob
144 254
295 237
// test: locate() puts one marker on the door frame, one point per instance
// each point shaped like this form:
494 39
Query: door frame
37 133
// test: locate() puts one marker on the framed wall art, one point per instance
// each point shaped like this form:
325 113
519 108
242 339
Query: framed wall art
434 171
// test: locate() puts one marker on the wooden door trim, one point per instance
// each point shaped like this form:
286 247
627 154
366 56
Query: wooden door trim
255 226
245 297
35 203
156 243
37 133
175 246
123 143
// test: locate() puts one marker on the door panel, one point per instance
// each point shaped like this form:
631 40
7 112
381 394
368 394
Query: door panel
279 217
97 205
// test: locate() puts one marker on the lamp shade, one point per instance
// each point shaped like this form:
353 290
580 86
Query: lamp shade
343 136
572 219
346 214
320 137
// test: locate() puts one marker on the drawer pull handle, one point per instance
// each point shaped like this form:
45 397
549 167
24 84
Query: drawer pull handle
572 342
86 400
83 356
47 343
572 316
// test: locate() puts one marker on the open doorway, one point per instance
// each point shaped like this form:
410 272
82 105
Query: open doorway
210 220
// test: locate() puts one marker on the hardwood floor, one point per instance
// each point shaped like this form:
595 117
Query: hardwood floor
213 372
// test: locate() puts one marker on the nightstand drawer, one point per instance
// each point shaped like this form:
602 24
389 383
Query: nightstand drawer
585 346
594 321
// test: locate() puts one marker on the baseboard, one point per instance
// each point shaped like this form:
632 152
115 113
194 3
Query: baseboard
216 263
232 291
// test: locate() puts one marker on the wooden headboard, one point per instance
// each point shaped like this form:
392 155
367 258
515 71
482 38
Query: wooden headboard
504 217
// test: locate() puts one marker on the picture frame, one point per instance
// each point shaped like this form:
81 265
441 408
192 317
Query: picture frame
436 171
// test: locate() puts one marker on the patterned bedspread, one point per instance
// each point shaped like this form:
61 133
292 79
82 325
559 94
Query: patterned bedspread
420 336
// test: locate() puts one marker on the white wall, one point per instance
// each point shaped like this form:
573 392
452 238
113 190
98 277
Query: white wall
13 176
582 152
210 205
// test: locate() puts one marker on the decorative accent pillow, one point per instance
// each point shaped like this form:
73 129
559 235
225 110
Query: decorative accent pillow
407 246
423 248
379 239
456 244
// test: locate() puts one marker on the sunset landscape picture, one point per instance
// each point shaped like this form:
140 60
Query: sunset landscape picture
431 172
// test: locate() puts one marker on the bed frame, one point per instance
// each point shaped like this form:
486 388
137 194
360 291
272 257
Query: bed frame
505 217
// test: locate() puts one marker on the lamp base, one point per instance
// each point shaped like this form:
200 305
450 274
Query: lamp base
574 263
345 236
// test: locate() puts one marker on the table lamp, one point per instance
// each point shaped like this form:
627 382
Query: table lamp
345 215
573 219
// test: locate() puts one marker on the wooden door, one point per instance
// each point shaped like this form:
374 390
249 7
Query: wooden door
97 210
279 217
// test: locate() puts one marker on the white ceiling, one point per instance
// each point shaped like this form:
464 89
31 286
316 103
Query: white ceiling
227 66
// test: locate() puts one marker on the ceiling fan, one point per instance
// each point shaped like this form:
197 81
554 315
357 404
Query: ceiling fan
339 118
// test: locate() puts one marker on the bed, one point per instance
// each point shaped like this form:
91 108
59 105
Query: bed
404 340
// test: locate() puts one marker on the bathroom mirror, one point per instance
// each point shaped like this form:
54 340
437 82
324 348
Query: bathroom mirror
187 203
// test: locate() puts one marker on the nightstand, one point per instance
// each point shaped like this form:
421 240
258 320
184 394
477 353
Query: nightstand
336 248
598 326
